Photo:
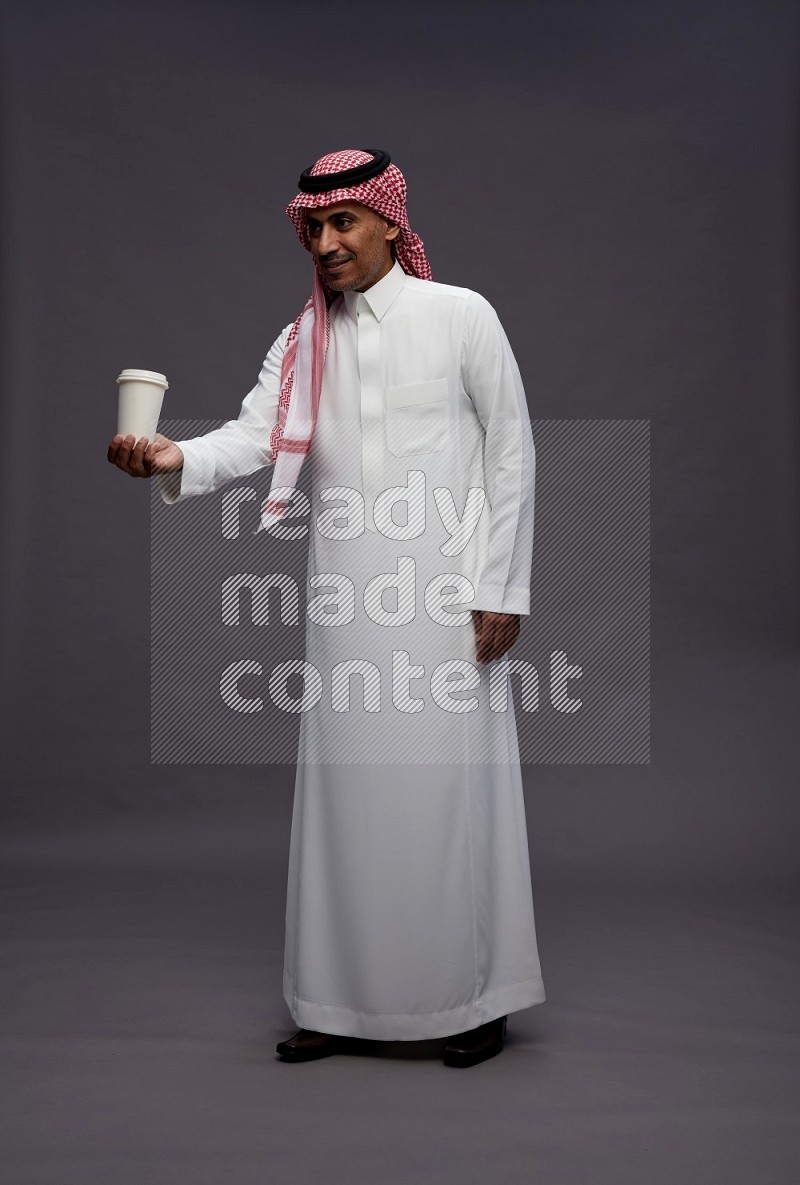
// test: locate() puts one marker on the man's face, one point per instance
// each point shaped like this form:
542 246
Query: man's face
351 245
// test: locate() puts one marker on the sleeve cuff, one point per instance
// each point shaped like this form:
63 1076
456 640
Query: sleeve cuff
196 476
496 598
169 486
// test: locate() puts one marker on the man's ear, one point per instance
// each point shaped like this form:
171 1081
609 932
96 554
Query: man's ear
392 231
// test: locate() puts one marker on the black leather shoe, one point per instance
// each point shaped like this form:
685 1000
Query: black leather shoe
306 1045
476 1045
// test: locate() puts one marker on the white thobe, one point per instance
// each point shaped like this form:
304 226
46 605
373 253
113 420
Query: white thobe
409 905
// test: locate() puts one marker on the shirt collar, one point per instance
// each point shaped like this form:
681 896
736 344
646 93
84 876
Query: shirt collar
380 296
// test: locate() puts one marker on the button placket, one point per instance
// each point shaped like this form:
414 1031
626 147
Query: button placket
371 407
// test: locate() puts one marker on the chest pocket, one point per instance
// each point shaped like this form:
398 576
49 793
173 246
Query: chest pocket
417 418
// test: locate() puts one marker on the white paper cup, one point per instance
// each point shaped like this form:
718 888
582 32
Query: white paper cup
141 394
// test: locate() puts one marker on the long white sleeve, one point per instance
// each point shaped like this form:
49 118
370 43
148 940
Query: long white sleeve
239 447
493 382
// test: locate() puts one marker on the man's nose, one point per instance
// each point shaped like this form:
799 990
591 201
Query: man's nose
328 241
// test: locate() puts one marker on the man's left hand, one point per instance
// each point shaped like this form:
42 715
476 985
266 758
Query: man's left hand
495 633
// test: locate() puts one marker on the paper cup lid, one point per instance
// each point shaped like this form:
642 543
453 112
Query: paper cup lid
144 376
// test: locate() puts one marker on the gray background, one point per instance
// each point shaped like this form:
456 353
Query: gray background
620 181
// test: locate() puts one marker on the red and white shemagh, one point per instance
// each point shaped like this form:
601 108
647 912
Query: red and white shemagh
307 343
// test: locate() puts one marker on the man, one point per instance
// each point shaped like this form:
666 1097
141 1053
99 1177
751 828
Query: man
409 907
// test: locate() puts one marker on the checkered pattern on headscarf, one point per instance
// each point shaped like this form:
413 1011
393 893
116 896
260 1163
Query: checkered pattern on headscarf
307 343
385 194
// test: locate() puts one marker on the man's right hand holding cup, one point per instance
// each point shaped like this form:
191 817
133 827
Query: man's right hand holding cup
143 458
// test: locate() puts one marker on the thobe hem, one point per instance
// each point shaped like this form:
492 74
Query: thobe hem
415 1026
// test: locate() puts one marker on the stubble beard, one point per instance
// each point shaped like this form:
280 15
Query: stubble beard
361 281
